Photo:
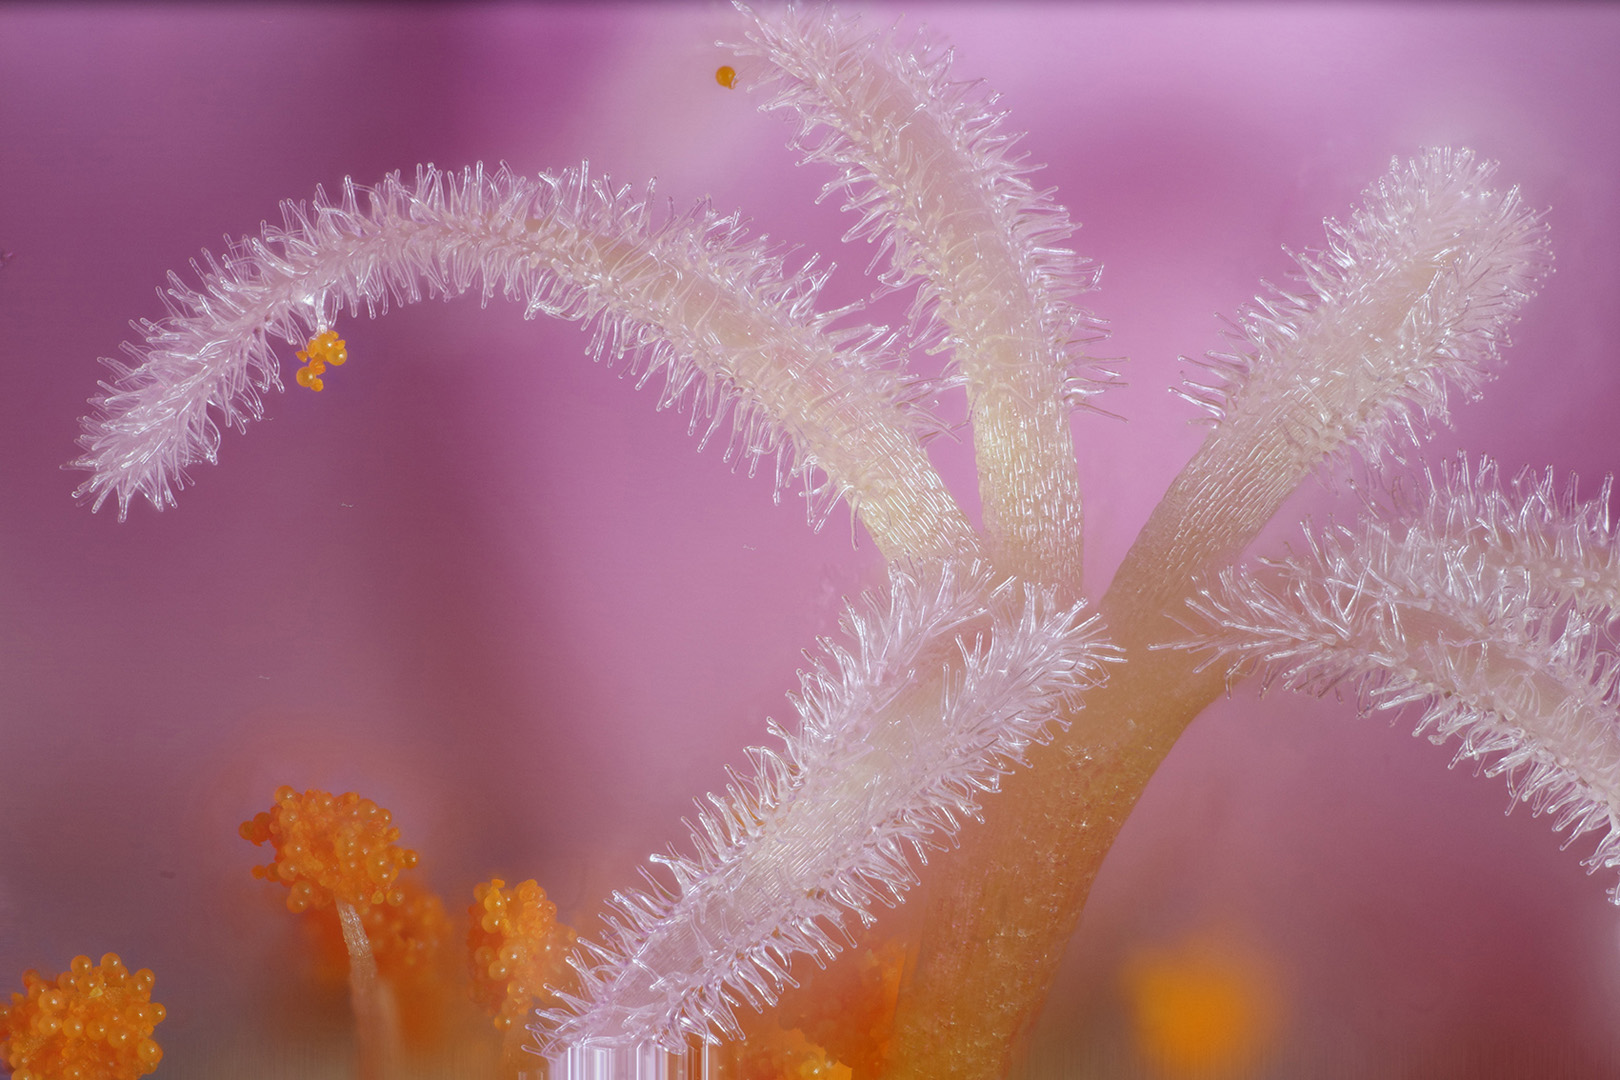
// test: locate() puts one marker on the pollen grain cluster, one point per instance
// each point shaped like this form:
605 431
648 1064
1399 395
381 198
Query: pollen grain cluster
519 950
92 1022
330 848
323 349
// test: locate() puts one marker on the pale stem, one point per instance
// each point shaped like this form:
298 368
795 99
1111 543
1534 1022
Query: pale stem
1001 915
1029 482
961 218
375 1017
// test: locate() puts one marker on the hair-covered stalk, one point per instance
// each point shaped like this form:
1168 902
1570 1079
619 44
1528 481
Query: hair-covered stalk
1569 548
689 297
1409 301
925 163
941 690
1497 625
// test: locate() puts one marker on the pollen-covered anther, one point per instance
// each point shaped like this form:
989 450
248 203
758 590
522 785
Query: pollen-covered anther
323 349
330 848
519 951
93 1021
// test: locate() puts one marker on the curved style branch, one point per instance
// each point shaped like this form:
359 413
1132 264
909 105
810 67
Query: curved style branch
691 298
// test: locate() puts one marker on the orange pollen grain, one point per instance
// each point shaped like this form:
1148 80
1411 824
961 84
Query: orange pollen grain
726 76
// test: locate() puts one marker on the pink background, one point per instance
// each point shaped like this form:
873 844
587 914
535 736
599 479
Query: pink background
481 581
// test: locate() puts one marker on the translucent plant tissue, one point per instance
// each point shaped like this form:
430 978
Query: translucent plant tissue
887 888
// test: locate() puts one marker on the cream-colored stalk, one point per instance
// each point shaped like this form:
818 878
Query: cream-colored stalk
1410 298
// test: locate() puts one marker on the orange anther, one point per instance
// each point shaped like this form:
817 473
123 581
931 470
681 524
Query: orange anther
519 950
89 1022
330 849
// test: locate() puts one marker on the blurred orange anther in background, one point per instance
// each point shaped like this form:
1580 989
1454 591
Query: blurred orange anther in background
1207 1008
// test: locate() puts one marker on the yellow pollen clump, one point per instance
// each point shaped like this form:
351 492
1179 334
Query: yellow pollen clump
726 76
324 348
92 1022
519 951
330 848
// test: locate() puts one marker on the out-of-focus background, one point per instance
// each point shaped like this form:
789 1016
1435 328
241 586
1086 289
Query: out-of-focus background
480 580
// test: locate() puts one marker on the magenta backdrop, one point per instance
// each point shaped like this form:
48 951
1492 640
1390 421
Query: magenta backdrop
480 580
